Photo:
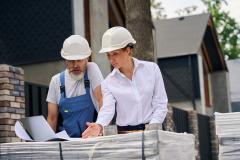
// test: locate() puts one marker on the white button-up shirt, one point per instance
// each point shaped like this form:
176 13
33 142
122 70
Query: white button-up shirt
138 101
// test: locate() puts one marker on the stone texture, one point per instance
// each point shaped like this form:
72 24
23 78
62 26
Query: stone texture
4 92
14 81
4 103
4 80
20 99
5 115
7 98
6 74
7 121
193 128
6 86
168 124
4 67
15 104
12 101
19 77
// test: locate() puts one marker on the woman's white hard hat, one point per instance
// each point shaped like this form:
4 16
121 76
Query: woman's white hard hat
75 47
116 38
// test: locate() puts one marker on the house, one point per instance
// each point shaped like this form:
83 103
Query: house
234 77
192 64
32 32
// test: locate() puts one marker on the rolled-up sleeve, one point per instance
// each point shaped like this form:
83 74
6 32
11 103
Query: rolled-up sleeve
159 99
107 110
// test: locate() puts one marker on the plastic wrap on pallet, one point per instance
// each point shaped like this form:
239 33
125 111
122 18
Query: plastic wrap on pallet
227 130
155 145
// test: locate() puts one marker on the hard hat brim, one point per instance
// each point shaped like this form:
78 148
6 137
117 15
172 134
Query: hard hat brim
109 49
75 57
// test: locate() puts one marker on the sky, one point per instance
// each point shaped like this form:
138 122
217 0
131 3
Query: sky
171 6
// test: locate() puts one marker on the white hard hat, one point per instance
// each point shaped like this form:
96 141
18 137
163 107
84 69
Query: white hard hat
75 47
116 38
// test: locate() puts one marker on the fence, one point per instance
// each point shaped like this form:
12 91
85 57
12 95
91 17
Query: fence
35 99
181 119
204 137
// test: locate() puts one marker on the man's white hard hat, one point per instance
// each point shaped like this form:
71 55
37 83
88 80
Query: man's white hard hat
75 47
116 38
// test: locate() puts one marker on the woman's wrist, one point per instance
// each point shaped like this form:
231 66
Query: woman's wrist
100 127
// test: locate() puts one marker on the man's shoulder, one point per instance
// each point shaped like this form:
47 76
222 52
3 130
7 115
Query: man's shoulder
56 78
91 65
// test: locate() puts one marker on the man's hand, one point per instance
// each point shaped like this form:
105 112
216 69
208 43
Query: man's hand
93 130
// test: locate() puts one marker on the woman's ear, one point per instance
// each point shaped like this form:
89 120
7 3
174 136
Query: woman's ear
129 51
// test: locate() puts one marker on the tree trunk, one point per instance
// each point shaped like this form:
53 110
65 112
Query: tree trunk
139 23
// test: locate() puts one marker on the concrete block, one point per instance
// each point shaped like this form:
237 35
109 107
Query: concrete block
20 99
14 93
6 86
4 103
15 104
7 98
15 116
154 126
4 67
5 128
18 88
110 130
19 76
4 92
16 70
4 80
7 121
14 81
5 115
6 74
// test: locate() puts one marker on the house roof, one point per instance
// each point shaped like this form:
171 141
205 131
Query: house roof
188 35
180 36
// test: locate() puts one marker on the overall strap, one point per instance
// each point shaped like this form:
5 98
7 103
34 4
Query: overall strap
86 80
62 84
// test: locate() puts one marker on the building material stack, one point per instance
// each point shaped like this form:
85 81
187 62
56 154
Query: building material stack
228 132
158 145
12 101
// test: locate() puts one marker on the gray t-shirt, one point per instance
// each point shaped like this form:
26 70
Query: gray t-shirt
73 87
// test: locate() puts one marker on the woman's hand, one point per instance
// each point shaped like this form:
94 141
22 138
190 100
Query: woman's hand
93 130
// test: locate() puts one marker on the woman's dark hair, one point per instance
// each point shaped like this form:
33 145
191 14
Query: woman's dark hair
130 45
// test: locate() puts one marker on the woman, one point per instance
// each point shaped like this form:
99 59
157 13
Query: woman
135 88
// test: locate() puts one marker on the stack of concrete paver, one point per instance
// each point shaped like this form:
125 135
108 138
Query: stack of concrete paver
157 145
228 132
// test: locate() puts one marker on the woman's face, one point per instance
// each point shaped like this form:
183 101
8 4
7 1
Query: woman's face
119 58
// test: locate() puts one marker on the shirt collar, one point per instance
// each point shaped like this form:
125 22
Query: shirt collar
137 64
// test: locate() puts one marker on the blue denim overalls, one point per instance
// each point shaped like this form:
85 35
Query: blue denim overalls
75 111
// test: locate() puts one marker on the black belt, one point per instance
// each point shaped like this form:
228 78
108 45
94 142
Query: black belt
131 128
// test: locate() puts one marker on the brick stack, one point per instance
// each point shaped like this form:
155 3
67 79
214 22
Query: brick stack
12 101
193 128
214 140
168 124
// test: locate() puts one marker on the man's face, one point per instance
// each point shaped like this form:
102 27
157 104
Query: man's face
76 67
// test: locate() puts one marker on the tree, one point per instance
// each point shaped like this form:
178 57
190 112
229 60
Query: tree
227 28
186 10
139 23
157 10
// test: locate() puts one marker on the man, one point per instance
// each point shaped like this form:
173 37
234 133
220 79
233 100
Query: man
135 88
74 93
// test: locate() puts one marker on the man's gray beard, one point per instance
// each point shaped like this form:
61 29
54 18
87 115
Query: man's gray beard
77 77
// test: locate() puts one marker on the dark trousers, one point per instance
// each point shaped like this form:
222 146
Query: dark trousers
131 128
